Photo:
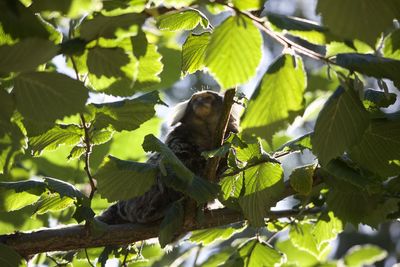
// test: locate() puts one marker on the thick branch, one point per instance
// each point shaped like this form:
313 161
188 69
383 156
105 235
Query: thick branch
218 138
77 237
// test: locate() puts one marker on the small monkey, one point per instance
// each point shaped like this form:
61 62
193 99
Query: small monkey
195 122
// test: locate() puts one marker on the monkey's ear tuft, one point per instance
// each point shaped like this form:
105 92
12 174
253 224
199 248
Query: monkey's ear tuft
179 112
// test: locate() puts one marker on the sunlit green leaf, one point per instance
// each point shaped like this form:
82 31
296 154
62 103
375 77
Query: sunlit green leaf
391 48
101 137
234 51
364 255
296 255
355 46
301 179
211 235
26 54
53 202
121 180
245 5
61 134
263 185
70 8
255 253
303 238
182 20
326 229
279 98
193 52
340 125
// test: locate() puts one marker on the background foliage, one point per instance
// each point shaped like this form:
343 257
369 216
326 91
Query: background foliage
81 82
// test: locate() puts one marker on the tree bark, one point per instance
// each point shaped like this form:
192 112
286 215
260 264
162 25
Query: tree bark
77 237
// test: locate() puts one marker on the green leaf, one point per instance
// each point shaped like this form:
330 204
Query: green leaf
391 45
64 188
341 122
76 152
53 202
374 99
356 46
379 148
134 140
364 255
193 52
20 22
139 44
279 98
231 188
211 235
296 255
371 65
255 253
326 229
106 61
106 27
300 27
69 8
122 180
303 238
9 257
59 94
17 195
246 5
99 137
20 56
301 179
182 178
61 134
349 203
234 51
339 16
342 171
300 143
263 185
171 223
182 20
127 114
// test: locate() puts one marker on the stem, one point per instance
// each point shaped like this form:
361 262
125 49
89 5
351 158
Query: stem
88 259
88 151
218 139
278 37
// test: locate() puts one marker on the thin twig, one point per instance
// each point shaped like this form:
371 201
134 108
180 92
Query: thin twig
88 259
88 151
278 37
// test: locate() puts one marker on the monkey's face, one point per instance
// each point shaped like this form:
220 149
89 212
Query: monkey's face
206 105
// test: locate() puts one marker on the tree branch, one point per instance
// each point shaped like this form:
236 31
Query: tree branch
76 237
218 139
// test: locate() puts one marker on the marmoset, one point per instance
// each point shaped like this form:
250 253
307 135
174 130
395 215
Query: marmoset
195 122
